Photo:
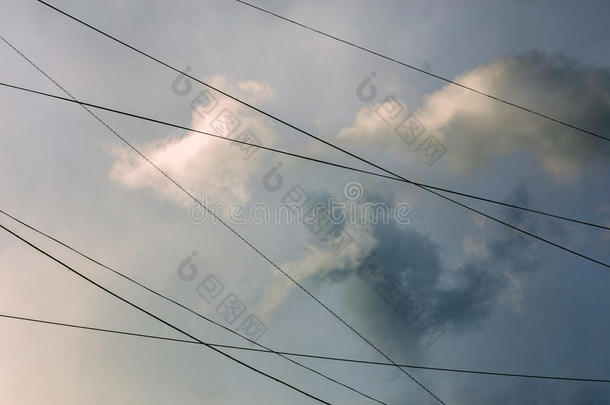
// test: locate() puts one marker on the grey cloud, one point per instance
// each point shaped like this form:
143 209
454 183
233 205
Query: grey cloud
459 298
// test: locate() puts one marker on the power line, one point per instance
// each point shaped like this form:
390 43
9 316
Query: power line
322 140
241 237
268 350
141 309
312 356
327 143
332 145
86 106
244 240
140 284
426 72
249 244
95 106
397 178
88 110
132 280
173 301
295 155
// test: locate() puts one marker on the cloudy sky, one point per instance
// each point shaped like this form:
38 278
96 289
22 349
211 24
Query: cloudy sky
424 280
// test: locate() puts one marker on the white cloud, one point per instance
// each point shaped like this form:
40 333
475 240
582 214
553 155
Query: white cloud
477 130
212 169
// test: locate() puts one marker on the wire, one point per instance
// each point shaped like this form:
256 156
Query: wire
312 356
426 72
249 244
397 177
141 285
85 105
320 139
219 219
158 318
166 298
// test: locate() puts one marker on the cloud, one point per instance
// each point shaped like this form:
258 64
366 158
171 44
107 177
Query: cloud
251 91
477 130
318 260
396 282
212 169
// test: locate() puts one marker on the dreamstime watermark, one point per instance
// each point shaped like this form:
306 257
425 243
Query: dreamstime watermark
296 206
327 221
228 305
225 123
405 301
406 126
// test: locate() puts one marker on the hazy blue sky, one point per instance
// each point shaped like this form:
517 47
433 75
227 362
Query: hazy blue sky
499 301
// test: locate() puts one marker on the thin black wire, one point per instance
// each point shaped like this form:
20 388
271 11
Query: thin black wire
327 143
239 235
397 177
311 158
311 356
426 72
243 239
252 368
150 290
223 222
85 105
171 300
316 137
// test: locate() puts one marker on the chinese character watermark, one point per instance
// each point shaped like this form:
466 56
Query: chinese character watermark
409 128
227 304
224 123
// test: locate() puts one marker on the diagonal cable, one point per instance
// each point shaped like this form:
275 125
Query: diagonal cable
88 110
309 356
430 189
426 72
166 323
174 302
304 132
227 225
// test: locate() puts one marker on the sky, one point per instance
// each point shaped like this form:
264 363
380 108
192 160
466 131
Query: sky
424 280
